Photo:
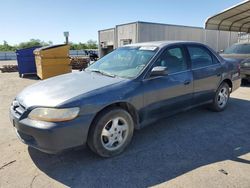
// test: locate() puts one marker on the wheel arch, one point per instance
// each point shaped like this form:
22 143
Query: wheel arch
124 105
229 82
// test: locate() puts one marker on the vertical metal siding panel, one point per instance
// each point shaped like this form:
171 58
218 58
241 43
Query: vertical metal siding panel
145 32
107 36
155 32
126 32
152 32
223 37
211 38
234 38
223 40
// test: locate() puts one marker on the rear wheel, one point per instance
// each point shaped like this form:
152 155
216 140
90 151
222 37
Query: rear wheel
221 98
111 132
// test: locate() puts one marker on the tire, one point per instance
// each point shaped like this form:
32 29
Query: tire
111 132
221 98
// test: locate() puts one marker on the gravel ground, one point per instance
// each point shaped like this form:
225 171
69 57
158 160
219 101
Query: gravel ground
198 148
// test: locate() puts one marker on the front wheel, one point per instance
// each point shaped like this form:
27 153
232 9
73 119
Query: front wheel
221 98
111 132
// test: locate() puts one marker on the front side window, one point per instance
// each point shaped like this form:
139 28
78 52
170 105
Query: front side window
125 62
200 57
173 58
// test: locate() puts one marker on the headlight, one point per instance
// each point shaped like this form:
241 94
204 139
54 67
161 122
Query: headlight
53 114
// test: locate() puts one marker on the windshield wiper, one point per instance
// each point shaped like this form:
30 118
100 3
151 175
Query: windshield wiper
102 72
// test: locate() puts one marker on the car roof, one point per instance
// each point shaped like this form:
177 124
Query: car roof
160 43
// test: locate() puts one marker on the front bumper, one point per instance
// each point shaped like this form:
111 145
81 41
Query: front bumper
52 137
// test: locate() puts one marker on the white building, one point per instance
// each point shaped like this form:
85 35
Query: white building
134 32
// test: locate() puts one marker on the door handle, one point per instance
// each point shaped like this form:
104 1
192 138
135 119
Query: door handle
187 82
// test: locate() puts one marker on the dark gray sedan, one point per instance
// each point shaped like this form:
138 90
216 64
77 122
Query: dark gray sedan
127 89
240 52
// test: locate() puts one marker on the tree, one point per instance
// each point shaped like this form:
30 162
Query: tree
6 47
92 44
32 43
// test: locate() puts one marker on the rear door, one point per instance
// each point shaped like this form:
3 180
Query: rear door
207 72
165 95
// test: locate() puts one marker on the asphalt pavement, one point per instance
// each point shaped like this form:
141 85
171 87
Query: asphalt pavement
197 148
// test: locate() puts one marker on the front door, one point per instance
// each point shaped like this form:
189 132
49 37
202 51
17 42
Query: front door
165 95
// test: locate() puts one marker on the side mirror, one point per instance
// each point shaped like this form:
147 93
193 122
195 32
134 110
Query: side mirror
159 71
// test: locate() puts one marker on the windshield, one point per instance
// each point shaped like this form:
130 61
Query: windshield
125 62
238 49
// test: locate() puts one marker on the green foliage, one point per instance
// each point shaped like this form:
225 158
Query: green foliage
90 44
79 46
6 47
33 42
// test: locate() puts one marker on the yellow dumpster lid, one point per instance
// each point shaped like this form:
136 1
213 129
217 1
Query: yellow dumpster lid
50 47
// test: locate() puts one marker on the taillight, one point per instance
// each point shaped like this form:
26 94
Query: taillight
239 68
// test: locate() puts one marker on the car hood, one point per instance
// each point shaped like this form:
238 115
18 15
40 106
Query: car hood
56 90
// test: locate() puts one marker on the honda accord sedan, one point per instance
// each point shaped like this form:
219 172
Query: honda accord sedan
133 86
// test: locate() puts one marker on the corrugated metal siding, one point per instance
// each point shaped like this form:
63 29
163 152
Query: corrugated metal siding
107 36
145 32
127 31
154 32
215 39
220 40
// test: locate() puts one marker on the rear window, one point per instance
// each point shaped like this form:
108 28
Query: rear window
238 49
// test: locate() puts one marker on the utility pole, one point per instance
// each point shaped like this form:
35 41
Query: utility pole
66 35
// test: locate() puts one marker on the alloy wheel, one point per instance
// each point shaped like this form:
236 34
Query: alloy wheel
114 133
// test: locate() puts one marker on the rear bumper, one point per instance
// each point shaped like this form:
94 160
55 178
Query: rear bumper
236 84
245 73
52 137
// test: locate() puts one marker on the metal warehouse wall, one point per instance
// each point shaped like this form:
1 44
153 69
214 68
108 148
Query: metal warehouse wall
154 32
106 41
107 36
126 32
220 40
217 40
146 32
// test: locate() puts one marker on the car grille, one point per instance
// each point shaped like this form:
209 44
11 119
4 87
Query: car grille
17 108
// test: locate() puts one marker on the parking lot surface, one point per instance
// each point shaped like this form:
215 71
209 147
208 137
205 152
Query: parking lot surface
197 148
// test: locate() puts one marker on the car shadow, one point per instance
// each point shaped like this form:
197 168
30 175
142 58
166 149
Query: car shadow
160 152
245 83
30 77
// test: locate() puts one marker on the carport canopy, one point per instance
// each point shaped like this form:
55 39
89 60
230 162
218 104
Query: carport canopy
236 18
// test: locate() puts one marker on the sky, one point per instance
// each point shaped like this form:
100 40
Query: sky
22 20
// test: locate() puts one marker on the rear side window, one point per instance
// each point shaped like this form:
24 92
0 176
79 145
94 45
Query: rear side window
200 57
174 59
